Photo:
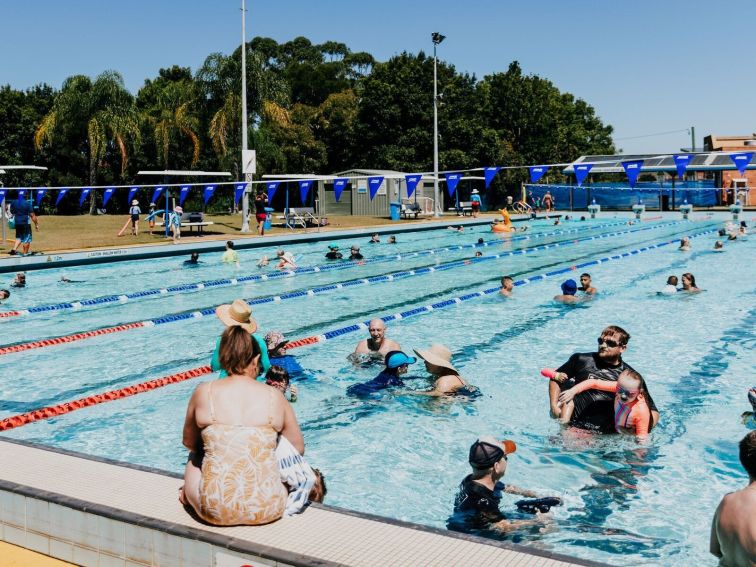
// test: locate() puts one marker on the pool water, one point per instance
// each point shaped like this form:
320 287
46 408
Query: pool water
400 455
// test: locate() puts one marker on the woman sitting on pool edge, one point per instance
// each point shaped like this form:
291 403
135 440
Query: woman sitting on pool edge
631 412
231 429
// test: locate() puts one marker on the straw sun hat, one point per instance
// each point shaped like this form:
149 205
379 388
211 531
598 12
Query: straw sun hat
437 355
237 313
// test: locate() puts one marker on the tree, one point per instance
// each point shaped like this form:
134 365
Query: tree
100 114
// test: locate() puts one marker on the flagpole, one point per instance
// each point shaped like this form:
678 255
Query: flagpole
247 177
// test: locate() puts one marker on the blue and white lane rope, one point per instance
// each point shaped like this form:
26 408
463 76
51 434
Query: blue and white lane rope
227 282
188 315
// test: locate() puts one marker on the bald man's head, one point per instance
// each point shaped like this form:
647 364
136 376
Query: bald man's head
377 330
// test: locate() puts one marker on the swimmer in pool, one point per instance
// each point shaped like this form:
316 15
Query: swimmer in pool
750 415
392 240
719 246
569 289
631 412
684 244
377 344
448 381
689 283
4 294
193 260
671 287
507 285
586 286
397 364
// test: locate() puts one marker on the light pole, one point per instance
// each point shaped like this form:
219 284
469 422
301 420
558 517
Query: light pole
247 177
436 38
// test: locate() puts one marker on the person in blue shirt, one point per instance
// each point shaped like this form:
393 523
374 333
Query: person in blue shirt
397 364
23 212
475 203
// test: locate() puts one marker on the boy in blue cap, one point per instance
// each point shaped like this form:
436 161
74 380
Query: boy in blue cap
397 363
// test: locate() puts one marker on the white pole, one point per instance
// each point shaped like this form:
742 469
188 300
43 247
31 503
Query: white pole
245 143
436 200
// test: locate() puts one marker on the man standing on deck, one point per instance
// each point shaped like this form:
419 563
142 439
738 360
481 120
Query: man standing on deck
377 343
23 212
594 409
733 531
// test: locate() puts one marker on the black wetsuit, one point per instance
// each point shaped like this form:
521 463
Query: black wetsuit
356 256
333 255
594 409
476 507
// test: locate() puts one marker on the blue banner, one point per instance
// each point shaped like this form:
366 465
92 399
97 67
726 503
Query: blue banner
21 193
581 172
682 161
632 170
61 194
40 194
374 183
239 191
304 189
412 181
489 173
183 194
156 195
741 160
209 190
107 195
452 179
536 172
2 195
339 184
271 188
84 195
132 192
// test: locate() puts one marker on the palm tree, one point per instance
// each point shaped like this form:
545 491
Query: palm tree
100 114
173 113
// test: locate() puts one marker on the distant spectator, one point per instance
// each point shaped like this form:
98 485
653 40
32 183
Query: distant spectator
151 216
261 215
175 222
134 212
333 253
475 203
355 253
23 213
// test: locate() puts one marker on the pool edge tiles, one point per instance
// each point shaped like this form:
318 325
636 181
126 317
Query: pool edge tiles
84 510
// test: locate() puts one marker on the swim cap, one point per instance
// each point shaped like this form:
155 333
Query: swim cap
397 358
484 454
569 287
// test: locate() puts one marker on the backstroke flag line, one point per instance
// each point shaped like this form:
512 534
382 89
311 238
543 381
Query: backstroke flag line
156 195
40 194
682 161
61 194
581 172
339 184
209 190
107 195
412 181
741 160
536 172
452 179
304 189
489 173
374 183
632 170
271 188
132 192
238 191
183 194
84 195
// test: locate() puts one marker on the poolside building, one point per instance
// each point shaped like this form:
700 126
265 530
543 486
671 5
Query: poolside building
744 185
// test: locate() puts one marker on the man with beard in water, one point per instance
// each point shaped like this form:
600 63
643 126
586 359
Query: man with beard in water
594 409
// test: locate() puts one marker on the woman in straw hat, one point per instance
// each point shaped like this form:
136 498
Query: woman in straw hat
239 314
448 382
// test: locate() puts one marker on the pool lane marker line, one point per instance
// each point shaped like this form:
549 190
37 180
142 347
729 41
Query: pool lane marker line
67 407
186 288
195 314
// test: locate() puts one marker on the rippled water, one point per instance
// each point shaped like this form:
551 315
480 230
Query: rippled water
403 456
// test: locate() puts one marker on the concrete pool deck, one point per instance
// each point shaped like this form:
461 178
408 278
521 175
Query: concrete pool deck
96 512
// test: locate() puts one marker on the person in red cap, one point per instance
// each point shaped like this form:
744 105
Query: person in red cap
476 506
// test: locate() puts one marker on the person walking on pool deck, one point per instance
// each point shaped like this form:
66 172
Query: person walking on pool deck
261 215
231 430
377 343
23 213
134 212
733 529
239 314
594 409
475 203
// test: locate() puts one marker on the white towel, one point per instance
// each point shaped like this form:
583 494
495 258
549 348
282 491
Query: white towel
296 474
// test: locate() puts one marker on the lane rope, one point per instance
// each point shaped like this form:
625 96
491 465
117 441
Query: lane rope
196 314
67 407
225 282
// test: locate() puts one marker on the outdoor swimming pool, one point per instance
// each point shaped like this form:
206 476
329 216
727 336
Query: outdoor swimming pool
403 456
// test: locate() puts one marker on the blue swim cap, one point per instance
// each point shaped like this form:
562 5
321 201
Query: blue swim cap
569 287
397 358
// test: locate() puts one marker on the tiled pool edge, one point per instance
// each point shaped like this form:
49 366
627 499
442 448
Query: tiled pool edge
168 541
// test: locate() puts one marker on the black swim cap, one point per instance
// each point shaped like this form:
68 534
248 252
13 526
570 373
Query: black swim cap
485 455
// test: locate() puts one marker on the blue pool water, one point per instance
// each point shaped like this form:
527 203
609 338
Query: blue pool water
403 456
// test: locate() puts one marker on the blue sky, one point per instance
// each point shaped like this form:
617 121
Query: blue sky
646 66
